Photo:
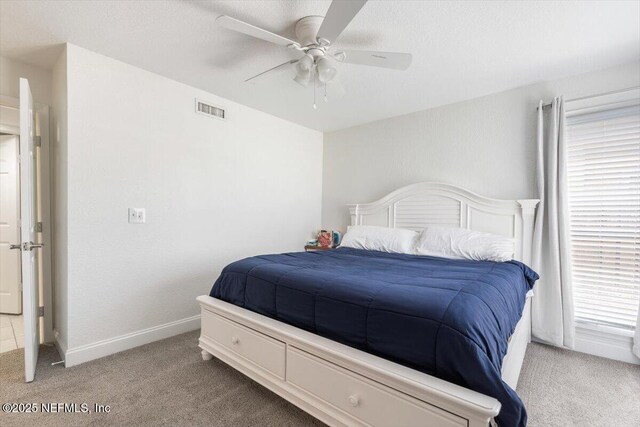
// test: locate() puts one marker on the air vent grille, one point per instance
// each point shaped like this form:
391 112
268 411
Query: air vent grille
210 110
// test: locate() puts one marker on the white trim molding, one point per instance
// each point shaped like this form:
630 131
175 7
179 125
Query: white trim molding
605 342
77 355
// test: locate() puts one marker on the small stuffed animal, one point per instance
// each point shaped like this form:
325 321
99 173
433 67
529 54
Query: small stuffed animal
325 239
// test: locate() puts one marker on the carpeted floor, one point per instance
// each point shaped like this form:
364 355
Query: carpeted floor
167 383
566 388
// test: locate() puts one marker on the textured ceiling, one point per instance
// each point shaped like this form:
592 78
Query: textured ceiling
461 50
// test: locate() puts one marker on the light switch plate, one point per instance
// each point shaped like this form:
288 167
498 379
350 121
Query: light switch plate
137 215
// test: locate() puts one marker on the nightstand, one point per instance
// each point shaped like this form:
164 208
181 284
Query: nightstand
311 248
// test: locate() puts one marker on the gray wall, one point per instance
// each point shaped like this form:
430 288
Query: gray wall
485 144
214 191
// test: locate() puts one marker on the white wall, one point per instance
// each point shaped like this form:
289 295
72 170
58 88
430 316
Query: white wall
59 199
39 80
485 144
214 191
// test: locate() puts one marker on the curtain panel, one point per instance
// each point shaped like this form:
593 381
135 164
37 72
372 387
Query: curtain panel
552 307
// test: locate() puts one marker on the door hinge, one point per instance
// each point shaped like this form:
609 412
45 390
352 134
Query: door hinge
38 227
41 311
37 141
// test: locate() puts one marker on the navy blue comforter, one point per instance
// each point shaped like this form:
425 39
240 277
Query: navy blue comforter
447 318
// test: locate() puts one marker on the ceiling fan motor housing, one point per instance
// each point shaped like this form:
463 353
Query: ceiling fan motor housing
307 30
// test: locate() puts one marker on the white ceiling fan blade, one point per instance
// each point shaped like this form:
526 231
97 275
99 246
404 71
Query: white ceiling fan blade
340 13
253 31
293 61
395 60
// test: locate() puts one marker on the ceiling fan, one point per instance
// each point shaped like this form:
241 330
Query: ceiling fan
316 36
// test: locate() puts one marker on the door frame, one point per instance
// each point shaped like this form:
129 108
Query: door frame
12 303
44 193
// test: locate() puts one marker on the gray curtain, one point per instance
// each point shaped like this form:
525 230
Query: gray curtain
552 307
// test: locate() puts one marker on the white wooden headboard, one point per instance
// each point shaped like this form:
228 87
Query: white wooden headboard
433 204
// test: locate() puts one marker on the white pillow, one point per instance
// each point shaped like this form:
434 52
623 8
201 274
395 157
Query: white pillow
396 240
460 243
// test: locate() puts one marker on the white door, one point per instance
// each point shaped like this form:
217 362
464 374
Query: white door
28 230
10 292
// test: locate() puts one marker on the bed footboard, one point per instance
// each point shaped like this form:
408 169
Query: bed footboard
335 383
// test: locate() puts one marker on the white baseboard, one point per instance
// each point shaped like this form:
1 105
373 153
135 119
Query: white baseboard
605 344
60 344
96 350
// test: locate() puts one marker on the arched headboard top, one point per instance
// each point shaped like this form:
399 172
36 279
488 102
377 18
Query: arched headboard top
427 204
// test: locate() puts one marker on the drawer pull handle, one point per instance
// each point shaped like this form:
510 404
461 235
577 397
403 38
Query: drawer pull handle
354 400
235 340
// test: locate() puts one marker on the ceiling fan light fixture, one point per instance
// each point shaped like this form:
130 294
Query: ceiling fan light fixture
304 66
326 72
303 80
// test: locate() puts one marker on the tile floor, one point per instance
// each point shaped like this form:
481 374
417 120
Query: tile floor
11 332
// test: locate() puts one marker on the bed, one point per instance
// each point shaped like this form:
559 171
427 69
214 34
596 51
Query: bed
359 337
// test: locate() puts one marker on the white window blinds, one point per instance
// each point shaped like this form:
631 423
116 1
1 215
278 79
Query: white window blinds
604 204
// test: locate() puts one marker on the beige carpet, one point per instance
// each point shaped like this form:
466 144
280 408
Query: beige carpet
167 383
566 388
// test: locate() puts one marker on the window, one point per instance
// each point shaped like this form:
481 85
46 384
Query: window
604 204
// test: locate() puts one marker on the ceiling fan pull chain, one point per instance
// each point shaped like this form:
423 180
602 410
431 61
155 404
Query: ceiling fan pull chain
315 107
325 93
